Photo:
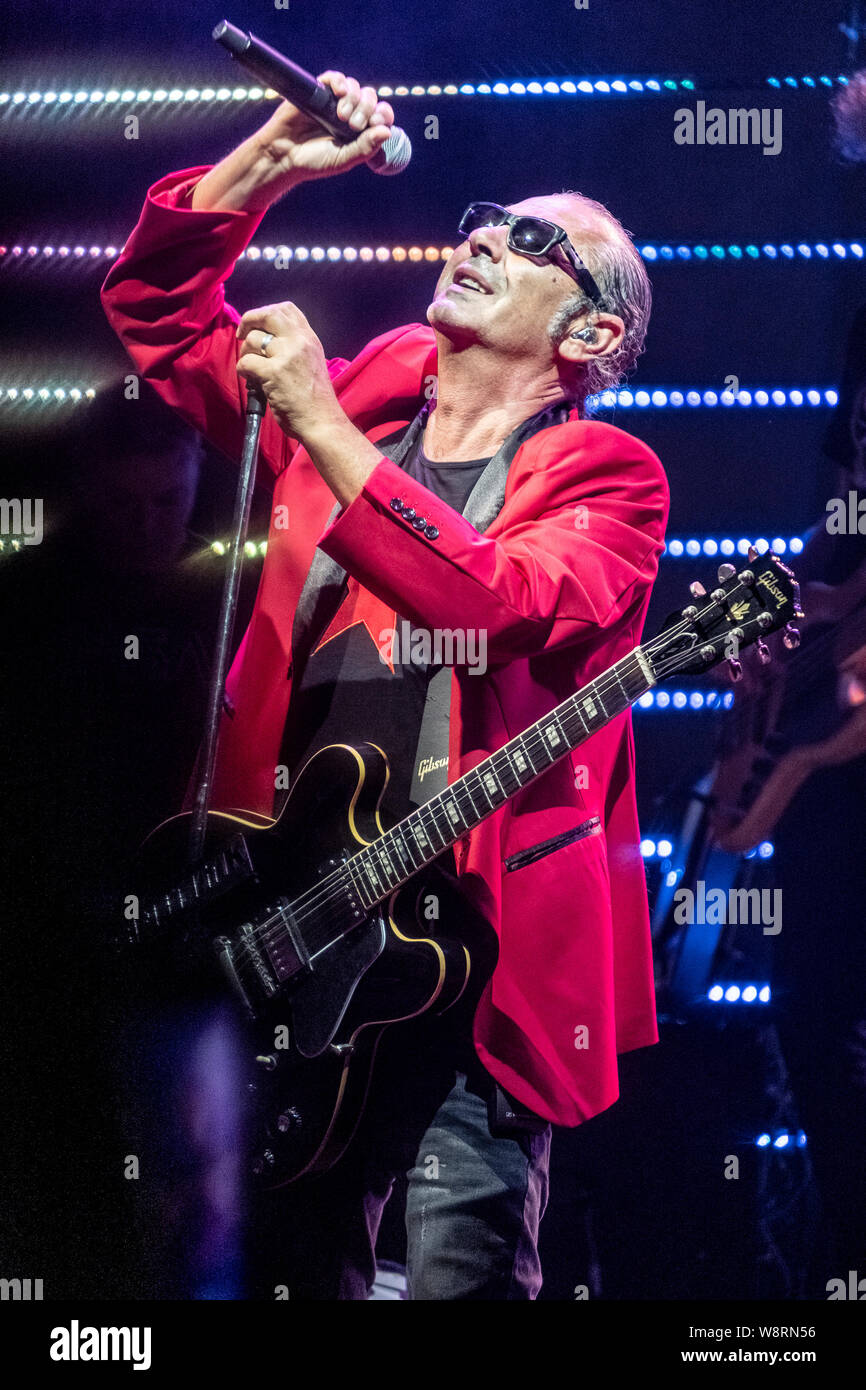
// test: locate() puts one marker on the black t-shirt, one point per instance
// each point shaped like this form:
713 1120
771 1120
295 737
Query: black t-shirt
347 692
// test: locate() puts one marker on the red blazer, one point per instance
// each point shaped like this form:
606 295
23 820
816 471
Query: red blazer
560 594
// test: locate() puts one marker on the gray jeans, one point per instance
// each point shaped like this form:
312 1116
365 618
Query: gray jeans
474 1202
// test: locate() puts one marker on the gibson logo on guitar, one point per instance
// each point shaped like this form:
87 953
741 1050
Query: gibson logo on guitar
768 580
318 916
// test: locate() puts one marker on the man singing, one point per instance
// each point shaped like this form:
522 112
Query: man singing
493 507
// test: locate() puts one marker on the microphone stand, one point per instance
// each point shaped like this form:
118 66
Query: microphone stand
255 409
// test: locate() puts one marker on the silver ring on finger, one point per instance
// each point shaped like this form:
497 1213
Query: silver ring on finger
263 345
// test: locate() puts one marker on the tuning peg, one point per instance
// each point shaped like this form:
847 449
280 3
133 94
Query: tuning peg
791 637
763 652
798 612
735 669
726 572
697 590
753 554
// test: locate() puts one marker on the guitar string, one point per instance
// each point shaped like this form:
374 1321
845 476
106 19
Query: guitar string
314 900
322 896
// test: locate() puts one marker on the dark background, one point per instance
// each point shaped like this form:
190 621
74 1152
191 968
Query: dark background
71 176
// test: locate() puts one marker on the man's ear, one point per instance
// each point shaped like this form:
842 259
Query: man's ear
598 338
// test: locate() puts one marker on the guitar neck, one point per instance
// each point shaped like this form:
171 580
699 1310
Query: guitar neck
427 832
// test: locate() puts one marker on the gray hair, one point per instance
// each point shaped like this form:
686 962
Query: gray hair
618 270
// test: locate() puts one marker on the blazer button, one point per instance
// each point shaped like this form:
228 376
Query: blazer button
431 532
396 504
408 513
419 523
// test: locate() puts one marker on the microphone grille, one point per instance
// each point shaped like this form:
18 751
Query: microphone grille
394 155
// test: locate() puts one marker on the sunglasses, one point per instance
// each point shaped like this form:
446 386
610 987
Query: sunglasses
530 236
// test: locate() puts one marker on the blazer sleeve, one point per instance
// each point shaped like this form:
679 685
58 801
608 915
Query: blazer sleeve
576 544
165 299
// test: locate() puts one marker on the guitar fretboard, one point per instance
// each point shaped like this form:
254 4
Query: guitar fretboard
424 834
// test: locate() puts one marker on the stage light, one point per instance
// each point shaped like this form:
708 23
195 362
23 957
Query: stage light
664 848
715 994
732 993
679 699
764 994
647 848
750 994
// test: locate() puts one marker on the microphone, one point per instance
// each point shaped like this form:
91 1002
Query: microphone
310 96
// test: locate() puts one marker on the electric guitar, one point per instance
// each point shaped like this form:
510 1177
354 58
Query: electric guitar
320 920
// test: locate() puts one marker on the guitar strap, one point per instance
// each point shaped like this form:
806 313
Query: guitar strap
326 583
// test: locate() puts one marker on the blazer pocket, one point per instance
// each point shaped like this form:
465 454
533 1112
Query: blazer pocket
565 837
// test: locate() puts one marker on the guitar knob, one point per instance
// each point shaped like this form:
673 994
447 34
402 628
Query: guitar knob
263 1162
763 652
753 554
268 1061
697 589
791 637
290 1119
726 572
735 669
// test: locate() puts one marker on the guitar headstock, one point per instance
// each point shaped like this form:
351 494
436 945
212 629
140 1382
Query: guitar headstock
744 608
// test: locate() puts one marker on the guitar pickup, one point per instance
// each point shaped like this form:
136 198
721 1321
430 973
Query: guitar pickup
286 950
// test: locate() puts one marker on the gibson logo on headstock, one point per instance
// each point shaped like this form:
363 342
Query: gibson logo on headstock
768 579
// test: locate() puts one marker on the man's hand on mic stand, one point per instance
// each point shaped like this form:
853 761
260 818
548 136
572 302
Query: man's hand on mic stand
280 353
291 148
